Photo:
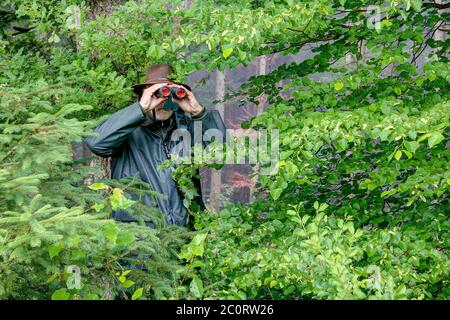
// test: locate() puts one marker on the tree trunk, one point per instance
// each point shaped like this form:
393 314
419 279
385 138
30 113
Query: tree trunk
262 70
216 175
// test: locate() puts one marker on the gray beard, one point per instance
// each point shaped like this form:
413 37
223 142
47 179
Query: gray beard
149 119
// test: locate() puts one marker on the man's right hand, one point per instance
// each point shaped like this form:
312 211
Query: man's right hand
148 100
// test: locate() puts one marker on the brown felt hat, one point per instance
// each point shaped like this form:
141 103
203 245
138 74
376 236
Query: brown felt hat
157 73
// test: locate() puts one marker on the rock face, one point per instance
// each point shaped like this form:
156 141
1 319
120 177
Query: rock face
232 182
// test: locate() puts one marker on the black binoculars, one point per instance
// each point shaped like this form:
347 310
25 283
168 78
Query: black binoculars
166 91
177 93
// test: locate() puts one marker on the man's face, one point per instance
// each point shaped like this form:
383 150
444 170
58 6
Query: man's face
162 114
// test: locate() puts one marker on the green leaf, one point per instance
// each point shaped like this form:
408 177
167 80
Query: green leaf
408 154
338 86
196 287
416 4
411 146
227 52
137 294
199 239
275 193
54 38
185 254
110 231
398 155
55 249
388 23
435 138
431 76
291 213
119 201
388 193
127 283
126 272
123 276
98 207
323 207
316 205
52 277
242 54
60 294
197 244
198 250
423 137
98 186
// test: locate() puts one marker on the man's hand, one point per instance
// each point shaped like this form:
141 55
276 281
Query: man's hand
189 103
148 100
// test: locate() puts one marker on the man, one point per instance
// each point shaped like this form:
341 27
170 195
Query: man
138 139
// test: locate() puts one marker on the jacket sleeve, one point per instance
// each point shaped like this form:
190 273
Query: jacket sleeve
210 119
114 131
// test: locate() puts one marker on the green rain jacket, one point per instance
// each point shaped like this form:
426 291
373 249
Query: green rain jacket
137 144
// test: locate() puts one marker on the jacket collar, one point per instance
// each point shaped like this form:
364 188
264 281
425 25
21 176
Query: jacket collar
156 124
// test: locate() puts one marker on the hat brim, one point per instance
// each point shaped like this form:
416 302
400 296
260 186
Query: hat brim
137 88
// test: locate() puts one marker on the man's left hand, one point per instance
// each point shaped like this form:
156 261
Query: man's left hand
189 103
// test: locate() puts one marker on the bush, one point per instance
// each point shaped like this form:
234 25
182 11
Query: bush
56 238
262 252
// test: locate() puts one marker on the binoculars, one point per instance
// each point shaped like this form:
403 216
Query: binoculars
178 93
